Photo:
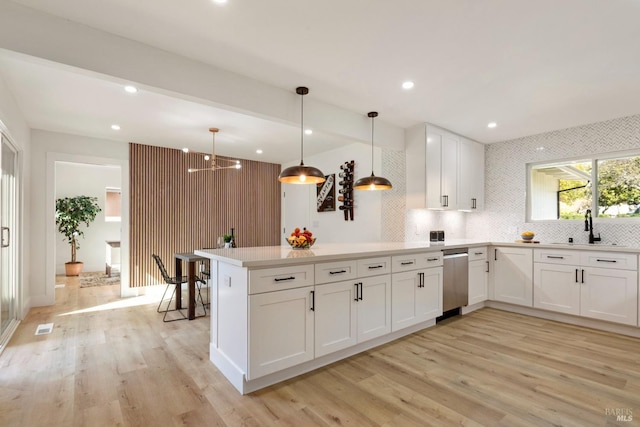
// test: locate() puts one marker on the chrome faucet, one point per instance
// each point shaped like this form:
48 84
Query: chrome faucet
588 226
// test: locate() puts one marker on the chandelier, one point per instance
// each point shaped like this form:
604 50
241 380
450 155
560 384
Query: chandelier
234 164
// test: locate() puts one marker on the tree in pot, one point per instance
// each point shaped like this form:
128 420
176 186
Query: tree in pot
71 212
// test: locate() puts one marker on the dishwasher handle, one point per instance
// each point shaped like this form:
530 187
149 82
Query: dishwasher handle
456 256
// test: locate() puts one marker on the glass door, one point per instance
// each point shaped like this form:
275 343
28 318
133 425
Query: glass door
8 252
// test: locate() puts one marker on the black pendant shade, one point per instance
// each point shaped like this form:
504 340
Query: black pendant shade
372 182
301 174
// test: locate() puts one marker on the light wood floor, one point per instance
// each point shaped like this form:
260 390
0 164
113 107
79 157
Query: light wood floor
124 366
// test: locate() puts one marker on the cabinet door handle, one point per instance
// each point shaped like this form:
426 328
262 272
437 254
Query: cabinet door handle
487 266
473 203
313 300
576 275
357 291
606 260
373 267
421 280
555 257
277 279
5 243
445 201
407 263
361 291
433 259
338 272
495 254
583 275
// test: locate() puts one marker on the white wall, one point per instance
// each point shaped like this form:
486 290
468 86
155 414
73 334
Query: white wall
77 179
299 206
505 186
13 124
46 149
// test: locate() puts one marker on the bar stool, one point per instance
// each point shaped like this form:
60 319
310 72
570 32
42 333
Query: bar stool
174 282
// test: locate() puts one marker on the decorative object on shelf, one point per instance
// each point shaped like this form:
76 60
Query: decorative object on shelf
301 239
372 182
71 212
301 174
326 194
346 192
232 242
214 160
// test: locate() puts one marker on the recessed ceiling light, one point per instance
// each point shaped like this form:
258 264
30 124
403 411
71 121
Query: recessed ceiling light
259 151
492 125
115 127
185 150
130 89
308 132
408 85
541 148
220 1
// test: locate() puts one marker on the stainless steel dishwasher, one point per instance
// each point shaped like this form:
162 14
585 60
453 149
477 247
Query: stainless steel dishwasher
455 286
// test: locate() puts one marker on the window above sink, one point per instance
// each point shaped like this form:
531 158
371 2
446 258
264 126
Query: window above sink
608 184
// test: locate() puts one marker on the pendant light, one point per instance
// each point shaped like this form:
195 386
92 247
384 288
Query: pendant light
372 182
301 174
214 160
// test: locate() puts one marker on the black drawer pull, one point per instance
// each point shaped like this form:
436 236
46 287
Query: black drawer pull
606 260
478 253
338 272
555 257
433 259
285 278
373 267
407 263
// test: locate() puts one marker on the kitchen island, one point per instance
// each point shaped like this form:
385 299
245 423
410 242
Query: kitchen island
279 312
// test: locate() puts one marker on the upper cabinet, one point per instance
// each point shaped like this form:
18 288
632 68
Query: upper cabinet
470 175
444 171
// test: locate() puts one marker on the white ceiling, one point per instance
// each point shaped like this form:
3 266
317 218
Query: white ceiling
530 66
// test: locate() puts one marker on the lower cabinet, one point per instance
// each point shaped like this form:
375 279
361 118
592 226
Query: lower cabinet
416 296
478 275
566 283
512 275
374 307
281 330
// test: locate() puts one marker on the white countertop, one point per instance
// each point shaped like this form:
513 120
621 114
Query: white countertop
268 256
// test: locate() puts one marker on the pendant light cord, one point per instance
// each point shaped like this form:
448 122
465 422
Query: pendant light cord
301 128
372 119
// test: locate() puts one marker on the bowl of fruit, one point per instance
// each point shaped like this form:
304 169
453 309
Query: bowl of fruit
301 239
527 235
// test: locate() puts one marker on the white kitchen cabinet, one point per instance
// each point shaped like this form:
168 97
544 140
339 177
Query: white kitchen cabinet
567 282
374 307
444 171
470 175
281 331
335 316
610 294
416 297
556 287
512 275
478 275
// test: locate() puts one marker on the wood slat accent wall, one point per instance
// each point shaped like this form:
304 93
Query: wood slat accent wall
173 210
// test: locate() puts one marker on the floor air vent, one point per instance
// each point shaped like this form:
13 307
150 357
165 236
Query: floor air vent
44 329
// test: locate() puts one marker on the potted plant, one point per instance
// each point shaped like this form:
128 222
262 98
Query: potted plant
71 213
227 240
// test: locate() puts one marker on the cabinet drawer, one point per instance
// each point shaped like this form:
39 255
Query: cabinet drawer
335 271
374 266
556 256
416 261
279 278
477 254
617 260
